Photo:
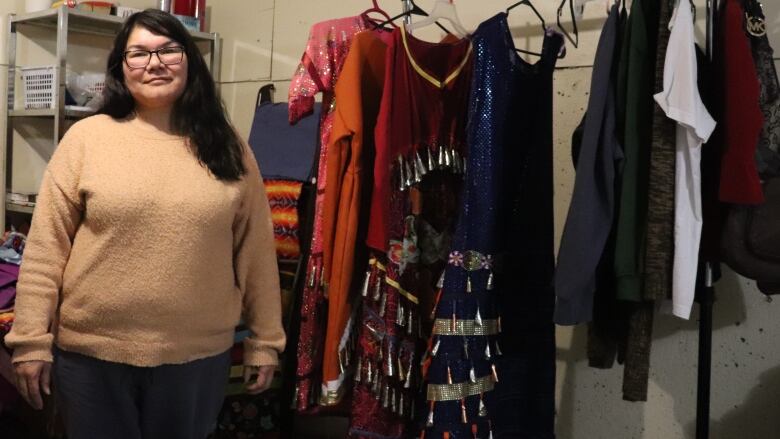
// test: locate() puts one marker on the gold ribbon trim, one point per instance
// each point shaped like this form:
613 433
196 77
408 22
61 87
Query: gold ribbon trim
455 392
437 83
409 296
465 327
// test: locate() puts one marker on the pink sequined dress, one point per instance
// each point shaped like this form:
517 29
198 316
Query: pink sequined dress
326 51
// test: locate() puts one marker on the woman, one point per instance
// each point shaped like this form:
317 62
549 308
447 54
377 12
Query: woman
151 238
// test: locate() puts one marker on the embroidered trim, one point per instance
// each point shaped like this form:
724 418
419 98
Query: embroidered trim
471 260
454 392
465 327
428 77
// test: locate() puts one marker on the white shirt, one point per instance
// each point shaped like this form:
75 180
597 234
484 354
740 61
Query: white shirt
681 102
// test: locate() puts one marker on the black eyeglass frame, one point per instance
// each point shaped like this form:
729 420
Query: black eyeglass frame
149 54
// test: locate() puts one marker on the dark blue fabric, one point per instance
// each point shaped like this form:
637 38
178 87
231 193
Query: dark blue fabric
506 212
284 151
592 209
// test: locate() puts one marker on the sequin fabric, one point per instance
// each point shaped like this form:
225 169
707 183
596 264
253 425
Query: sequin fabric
420 145
326 51
500 268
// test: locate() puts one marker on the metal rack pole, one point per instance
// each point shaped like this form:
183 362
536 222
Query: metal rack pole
707 297
407 5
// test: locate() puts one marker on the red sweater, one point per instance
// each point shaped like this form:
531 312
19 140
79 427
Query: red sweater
742 117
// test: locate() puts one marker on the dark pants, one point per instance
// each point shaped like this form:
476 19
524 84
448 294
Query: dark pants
104 400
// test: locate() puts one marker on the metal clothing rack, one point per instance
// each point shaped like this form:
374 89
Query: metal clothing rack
407 5
707 295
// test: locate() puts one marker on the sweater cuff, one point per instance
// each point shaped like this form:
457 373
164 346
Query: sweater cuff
30 353
255 355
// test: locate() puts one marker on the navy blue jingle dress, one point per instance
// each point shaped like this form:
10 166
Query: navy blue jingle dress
491 369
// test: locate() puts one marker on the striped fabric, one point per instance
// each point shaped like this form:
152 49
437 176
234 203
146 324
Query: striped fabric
283 196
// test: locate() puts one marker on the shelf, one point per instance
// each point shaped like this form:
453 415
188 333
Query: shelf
51 112
10 206
86 22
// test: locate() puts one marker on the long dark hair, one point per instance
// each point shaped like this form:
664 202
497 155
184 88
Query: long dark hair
198 114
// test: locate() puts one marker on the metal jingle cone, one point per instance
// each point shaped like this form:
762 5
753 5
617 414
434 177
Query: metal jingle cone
409 178
313 276
408 381
399 315
366 283
435 349
493 371
378 286
385 396
429 421
465 348
487 351
431 162
440 160
482 409
393 402
401 404
376 388
490 281
400 366
468 283
448 158
449 375
418 175
383 304
463 417
498 349
401 176
409 323
369 373
440 283
472 375
359 371
418 163
390 366
478 318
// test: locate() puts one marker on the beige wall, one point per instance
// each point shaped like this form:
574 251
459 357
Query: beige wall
263 41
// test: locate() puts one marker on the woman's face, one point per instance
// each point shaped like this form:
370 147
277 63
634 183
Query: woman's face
156 85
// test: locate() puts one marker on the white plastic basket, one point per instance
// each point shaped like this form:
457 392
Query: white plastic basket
39 87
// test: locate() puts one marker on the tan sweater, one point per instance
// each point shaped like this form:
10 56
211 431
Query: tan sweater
151 259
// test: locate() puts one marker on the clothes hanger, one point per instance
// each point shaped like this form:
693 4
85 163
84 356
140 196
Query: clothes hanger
442 10
576 33
376 9
538 15
265 95
416 10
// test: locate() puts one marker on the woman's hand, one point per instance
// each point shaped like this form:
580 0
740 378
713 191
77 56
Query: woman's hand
262 381
31 378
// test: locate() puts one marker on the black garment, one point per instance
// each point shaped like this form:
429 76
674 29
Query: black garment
105 400
592 208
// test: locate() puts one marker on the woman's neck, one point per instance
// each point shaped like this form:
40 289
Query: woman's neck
155 118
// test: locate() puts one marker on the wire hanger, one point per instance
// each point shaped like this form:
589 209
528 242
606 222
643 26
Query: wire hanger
416 10
575 41
442 10
376 9
538 15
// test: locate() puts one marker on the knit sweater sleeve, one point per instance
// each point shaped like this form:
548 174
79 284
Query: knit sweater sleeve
57 216
256 271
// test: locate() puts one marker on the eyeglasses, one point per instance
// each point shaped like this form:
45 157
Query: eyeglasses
137 59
